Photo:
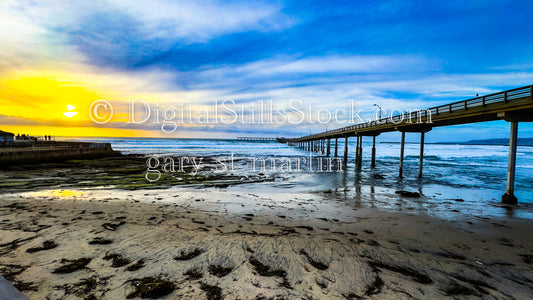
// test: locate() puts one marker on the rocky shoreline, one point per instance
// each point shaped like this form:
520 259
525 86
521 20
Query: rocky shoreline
126 172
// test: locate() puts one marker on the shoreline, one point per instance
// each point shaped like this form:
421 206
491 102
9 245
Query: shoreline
365 252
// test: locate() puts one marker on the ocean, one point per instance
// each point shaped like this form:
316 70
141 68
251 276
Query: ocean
454 175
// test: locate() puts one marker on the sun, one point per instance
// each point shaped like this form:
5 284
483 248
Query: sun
70 113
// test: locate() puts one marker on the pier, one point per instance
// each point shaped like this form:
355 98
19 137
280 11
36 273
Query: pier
255 138
513 106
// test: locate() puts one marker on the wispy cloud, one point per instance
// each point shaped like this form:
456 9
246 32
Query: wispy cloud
109 29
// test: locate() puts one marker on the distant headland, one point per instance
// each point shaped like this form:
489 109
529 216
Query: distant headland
500 142
493 142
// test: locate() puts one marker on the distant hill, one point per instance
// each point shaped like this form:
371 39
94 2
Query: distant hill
504 142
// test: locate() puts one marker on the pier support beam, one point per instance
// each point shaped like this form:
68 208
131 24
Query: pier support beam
336 146
345 150
328 148
358 152
509 196
373 162
421 160
402 148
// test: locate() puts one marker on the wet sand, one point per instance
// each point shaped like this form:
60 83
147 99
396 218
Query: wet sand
223 243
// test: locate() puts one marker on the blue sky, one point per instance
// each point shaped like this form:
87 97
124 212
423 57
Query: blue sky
398 54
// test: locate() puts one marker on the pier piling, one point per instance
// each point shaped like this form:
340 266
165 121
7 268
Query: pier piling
421 160
345 150
402 148
361 152
509 196
358 152
373 162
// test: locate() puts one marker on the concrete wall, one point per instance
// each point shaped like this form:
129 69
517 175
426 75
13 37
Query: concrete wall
57 152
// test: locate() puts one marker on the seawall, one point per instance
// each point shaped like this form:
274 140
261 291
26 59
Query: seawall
54 151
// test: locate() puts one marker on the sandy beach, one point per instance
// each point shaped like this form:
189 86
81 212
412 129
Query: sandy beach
217 243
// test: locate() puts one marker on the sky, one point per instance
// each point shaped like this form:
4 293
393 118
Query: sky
166 57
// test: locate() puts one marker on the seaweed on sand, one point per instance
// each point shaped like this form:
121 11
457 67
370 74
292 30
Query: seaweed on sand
454 289
100 241
478 285
213 292
189 255
113 226
315 263
413 274
193 274
47 245
151 287
118 260
219 271
136 266
70 266
265 270
83 287
375 287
